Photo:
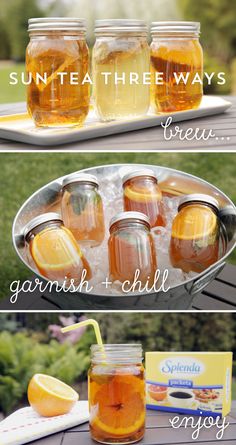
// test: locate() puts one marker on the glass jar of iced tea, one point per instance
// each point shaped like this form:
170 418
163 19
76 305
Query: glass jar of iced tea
141 193
195 235
54 249
122 50
82 209
176 66
57 52
116 393
131 248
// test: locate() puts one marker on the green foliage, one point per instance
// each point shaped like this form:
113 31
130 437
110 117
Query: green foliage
10 392
8 323
218 35
176 332
16 14
234 368
4 41
22 356
218 28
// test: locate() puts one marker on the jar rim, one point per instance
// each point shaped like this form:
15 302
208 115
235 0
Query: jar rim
80 177
40 219
137 173
175 27
130 216
198 198
56 24
117 353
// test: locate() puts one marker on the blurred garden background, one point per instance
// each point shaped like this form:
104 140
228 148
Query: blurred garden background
31 343
217 17
24 173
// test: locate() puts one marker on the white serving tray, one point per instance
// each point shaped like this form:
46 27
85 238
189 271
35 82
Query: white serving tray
20 127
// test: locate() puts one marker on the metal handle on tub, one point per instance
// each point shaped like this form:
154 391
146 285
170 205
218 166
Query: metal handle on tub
200 283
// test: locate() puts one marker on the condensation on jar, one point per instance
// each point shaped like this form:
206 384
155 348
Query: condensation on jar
131 248
195 235
176 51
57 45
121 48
141 193
54 250
82 209
116 393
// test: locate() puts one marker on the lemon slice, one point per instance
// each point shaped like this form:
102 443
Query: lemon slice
119 406
120 431
54 250
196 223
141 195
49 396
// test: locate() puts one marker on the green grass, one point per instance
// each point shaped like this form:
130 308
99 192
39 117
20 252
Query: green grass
22 174
11 93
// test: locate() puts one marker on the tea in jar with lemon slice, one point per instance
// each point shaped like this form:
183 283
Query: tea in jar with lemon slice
194 244
54 249
177 54
57 51
142 193
117 393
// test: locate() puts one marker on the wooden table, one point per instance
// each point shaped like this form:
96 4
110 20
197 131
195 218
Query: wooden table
158 432
223 125
220 294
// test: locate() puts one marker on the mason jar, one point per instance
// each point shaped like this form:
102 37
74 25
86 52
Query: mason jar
195 233
82 209
131 248
54 249
58 52
176 66
121 49
116 393
141 193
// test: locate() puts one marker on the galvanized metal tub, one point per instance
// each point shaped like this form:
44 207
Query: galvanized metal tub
172 182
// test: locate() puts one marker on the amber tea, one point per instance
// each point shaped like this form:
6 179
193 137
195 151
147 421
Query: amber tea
57 46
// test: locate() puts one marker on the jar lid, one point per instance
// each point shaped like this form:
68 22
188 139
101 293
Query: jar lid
120 25
136 173
117 353
56 24
173 27
132 216
40 219
79 177
198 197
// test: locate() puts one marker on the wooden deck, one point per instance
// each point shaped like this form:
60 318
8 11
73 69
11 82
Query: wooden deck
158 432
224 125
219 295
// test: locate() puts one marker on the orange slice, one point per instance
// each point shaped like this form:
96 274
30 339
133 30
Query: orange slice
198 222
121 407
49 396
141 194
54 249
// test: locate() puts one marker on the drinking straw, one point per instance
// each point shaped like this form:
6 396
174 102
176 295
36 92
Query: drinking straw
89 322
